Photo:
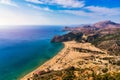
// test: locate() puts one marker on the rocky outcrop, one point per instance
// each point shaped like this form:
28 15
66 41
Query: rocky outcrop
68 37
93 37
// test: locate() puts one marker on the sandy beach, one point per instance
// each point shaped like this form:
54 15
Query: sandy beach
67 57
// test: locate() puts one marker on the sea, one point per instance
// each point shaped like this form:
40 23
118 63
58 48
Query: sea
24 48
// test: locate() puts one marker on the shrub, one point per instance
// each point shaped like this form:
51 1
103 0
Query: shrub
105 70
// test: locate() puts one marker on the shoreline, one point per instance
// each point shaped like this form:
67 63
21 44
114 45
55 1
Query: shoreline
39 68
41 62
62 59
78 55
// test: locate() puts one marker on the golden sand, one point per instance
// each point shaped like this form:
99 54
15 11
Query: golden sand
66 57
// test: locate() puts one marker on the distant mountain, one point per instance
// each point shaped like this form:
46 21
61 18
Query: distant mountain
106 24
103 27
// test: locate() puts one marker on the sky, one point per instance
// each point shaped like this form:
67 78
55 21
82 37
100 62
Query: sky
58 12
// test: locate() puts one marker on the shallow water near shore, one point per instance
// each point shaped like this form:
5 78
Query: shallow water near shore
23 50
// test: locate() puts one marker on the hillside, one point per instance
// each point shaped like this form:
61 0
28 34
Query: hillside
78 61
104 35
91 52
109 42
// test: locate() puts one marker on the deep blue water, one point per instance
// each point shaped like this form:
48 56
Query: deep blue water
24 49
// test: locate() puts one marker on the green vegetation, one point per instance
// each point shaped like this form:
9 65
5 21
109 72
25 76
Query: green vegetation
109 42
107 37
105 70
108 76
73 36
77 36
77 74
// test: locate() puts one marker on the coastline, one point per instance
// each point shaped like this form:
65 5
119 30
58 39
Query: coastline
40 63
39 68
64 60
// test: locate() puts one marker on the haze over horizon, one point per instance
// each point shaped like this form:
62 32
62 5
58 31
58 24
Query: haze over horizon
57 12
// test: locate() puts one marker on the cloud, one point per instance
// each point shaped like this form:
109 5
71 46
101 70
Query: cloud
69 3
95 12
104 10
8 2
63 3
75 12
40 8
35 1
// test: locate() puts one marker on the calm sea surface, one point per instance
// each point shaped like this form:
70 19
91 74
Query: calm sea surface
24 49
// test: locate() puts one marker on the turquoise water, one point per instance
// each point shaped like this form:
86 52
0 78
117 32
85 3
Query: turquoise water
23 50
